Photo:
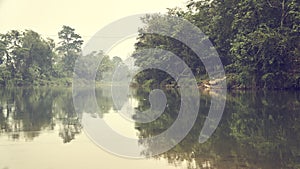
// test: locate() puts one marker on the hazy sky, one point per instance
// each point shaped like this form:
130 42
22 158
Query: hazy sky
87 17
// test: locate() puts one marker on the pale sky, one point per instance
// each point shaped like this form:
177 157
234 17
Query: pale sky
87 17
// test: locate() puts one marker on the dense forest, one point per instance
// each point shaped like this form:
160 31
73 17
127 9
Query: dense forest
257 40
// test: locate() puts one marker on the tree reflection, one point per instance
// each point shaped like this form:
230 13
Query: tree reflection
68 120
24 113
258 130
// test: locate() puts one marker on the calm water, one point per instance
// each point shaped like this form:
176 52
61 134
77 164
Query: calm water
40 130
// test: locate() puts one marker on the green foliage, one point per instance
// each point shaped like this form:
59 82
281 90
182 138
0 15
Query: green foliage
69 49
257 40
26 57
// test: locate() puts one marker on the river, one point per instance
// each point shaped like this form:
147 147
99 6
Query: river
41 130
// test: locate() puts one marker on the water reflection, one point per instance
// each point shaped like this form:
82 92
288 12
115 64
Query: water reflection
258 129
24 113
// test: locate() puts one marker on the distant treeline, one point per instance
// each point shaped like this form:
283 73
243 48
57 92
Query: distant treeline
26 58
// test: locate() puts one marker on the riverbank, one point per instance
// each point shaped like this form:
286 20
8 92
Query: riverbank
204 84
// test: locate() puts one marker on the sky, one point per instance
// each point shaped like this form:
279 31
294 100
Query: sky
87 17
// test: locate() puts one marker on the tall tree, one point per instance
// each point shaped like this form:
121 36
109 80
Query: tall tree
70 48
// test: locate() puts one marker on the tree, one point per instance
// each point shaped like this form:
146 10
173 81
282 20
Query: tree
70 48
10 43
116 60
145 58
25 57
37 60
